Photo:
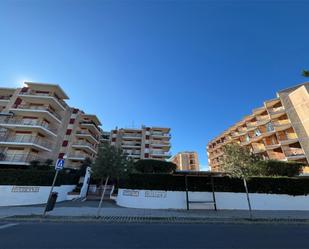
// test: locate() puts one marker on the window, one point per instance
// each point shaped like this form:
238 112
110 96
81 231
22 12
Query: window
69 131
257 132
65 143
269 127
72 120
61 155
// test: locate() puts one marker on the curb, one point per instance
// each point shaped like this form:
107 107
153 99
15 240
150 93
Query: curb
150 220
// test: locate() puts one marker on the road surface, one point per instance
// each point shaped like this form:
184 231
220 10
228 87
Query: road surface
102 235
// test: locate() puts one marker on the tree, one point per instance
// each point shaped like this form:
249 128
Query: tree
239 162
110 163
305 73
154 166
277 168
48 162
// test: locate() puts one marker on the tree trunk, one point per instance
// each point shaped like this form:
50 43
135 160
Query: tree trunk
102 197
248 199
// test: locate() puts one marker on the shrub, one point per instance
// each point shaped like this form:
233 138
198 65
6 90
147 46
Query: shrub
269 185
154 166
278 168
34 177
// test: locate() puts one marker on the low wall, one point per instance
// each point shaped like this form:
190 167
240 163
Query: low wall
157 199
29 195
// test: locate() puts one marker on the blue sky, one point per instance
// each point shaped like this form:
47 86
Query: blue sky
194 66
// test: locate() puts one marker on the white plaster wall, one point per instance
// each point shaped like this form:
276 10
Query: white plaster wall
9 198
225 200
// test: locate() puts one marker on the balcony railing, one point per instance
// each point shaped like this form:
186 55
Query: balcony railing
132 135
275 110
87 133
161 134
160 153
90 123
77 155
252 124
5 97
32 93
293 152
84 143
30 123
20 158
281 122
27 139
43 108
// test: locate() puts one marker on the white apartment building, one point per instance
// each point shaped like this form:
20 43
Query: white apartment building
144 143
36 124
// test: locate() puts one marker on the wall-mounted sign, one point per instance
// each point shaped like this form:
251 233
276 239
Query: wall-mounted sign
130 193
155 194
25 189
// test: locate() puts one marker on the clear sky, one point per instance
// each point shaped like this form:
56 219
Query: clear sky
194 66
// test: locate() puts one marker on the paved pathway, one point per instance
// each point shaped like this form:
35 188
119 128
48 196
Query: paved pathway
89 209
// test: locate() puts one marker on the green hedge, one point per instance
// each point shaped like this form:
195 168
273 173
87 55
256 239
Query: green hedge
270 185
32 177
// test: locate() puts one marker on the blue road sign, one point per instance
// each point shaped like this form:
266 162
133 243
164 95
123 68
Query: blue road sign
59 164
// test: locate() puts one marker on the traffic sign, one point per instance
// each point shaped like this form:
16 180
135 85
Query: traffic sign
59 164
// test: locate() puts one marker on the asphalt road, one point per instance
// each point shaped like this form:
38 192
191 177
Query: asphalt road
100 235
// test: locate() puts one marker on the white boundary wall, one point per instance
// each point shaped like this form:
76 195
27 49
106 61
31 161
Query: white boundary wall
157 199
29 195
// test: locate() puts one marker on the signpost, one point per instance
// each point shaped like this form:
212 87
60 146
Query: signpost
59 166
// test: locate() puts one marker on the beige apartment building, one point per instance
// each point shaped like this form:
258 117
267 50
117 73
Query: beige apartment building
186 160
144 143
37 124
278 130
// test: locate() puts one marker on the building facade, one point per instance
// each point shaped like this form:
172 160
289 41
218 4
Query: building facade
186 160
144 143
278 130
37 124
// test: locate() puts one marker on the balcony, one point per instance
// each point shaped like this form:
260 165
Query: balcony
160 153
77 156
19 159
132 136
259 148
276 111
281 125
85 145
21 123
252 124
4 99
91 125
289 139
87 134
37 109
160 143
294 153
262 120
34 141
272 146
131 145
161 134
49 97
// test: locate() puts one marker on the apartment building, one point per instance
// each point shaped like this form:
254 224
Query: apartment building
37 124
277 130
105 137
186 160
144 143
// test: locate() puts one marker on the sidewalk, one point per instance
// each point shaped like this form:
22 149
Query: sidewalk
88 212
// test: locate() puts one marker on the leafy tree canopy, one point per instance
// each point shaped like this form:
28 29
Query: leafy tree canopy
111 162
